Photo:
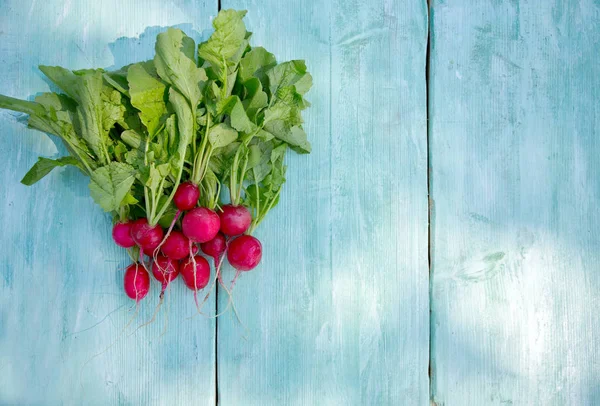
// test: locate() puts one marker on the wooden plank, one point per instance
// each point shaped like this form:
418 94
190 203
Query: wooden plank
61 298
337 313
514 128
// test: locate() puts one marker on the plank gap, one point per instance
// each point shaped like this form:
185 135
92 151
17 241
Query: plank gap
430 371
217 312
217 341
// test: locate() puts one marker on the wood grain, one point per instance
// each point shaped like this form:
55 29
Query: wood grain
61 299
514 120
337 313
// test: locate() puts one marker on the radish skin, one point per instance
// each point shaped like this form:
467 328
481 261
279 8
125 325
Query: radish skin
186 197
215 247
235 220
136 282
165 270
147 237
176 246
121 233
244 253
200 224
195 272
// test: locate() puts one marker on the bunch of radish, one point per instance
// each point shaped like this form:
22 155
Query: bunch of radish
162 141
175 253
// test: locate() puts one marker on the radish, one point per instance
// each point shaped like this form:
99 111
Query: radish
121 233
136 282
200 224
186 197
147 237
176 246
195 272
244 253
165 270
235 220
215 247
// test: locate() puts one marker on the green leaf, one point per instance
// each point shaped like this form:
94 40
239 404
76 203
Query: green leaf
118 151
294 136
259 164
175 64
256 98
226 45
135 158
156 174
113 109
129 199
53 114
118 80
278 153
85 87
148 93
110 184
59 118
43 167
220 161
221 135
292 73
235 109
287 107
185 123
132 138
255 64
21 106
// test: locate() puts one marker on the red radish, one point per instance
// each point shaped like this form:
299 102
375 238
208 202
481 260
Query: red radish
165 270
121 233
215 247
146 236
200 224
244 253
235 220
176 246
186 197
136 282
198 278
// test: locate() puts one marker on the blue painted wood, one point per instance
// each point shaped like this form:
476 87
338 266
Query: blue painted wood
61 298
337 313
514 147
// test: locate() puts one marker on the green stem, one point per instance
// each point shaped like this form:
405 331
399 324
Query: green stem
197 174
241 182
257 194
195 124
260 218
74 151
146 196
233 177
224 92
169 199
122 216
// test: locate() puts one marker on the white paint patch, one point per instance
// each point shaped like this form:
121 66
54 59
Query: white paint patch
84 34
33 3
458 75
65 13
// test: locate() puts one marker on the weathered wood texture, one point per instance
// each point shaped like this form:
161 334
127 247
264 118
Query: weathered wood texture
338 313
61 299
514 118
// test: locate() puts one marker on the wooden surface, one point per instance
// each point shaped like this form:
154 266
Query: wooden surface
514 118
61 295
337 314
339 311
